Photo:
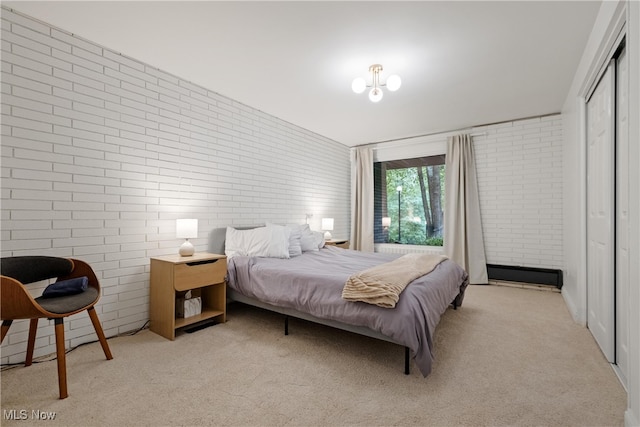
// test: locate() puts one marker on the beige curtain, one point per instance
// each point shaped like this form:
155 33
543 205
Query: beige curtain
362 199
463 241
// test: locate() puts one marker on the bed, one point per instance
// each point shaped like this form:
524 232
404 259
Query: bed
309 286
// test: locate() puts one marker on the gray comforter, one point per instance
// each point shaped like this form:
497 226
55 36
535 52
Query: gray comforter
312 283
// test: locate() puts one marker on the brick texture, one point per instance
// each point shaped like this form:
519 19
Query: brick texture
102 153
519 168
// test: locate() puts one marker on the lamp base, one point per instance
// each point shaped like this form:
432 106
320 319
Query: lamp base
327 235
186 249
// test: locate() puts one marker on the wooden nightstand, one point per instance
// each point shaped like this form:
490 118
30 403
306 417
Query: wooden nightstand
341 243
172 276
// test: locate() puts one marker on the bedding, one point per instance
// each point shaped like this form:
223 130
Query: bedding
312 283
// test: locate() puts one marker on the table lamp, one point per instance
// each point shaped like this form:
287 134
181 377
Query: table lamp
327 225
386 222
186 229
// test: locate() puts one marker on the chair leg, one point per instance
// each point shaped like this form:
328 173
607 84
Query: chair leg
103 340
31 343
6 324
61 356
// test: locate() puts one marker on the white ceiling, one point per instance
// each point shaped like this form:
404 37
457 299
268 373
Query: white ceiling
461 63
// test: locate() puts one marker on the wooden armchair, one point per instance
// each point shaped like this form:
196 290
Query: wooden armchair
17 302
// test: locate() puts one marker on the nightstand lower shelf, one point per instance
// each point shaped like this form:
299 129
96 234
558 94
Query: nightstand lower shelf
205 315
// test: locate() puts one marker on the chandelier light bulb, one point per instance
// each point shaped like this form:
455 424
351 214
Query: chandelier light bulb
358 85
375 95
394 82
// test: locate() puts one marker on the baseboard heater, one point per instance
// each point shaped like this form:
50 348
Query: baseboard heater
539 276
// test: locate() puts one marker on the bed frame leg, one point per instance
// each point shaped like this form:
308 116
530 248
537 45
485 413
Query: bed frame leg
286 325
406 360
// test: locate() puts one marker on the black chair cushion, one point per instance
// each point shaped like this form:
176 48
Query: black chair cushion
29 269
66 304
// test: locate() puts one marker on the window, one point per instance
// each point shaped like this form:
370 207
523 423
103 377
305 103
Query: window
409 195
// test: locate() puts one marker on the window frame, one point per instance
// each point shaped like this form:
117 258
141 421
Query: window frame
425 146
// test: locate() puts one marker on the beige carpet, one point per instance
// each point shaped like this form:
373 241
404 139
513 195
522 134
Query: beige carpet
508 357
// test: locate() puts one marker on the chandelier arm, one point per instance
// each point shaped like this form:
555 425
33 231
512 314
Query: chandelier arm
376 77
376 85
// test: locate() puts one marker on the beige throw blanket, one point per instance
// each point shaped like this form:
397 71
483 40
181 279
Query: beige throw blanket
381 285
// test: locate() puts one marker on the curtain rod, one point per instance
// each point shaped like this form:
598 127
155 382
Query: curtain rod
452 131
407 140
420 136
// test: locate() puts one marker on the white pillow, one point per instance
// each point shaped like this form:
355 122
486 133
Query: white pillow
294 237
319 238
295 244
311 240
266 242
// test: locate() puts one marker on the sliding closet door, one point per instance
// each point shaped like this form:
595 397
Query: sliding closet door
600 213
622 216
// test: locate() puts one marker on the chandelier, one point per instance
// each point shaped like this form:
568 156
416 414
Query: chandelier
375 94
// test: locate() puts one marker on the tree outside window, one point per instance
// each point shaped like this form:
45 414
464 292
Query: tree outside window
411 194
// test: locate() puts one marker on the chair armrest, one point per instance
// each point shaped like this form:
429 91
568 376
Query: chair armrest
17 302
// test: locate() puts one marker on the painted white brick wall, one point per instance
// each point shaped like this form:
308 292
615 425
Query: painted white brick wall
101 153
519 168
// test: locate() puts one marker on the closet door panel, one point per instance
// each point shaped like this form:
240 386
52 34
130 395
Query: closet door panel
600 214
622 216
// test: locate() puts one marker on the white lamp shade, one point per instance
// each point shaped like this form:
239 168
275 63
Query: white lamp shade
394 82
358 85
186 228
386 221
375 95
327 223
